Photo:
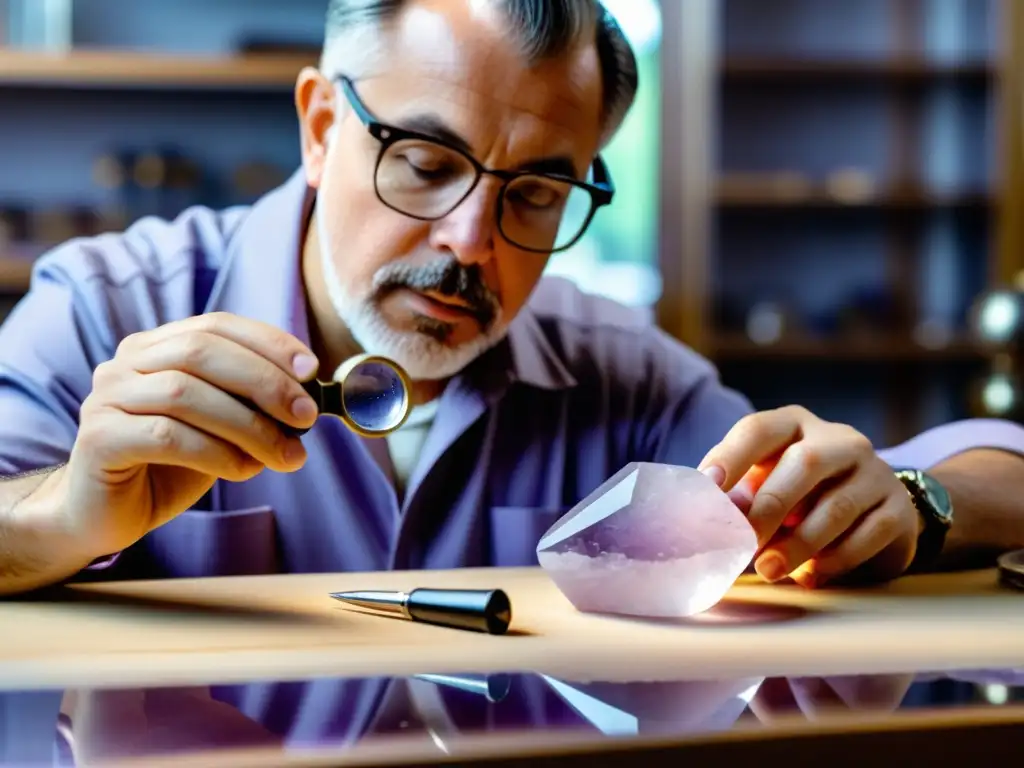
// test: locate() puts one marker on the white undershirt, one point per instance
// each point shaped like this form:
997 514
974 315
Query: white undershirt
406 443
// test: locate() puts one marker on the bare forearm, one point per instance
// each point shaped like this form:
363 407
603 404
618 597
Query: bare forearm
987 490
34 550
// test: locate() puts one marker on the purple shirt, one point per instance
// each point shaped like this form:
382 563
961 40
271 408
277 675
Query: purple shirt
581 387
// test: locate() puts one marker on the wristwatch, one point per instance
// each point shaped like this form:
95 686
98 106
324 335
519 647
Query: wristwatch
936 510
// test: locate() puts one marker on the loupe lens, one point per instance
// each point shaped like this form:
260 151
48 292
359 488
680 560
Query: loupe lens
374 396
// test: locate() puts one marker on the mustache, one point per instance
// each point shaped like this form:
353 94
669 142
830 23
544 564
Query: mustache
448 278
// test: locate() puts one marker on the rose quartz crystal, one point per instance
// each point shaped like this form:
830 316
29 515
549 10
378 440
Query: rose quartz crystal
653 540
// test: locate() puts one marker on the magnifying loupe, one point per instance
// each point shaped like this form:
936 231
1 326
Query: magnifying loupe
370 394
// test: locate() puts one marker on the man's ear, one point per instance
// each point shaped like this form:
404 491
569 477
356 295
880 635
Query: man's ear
316 108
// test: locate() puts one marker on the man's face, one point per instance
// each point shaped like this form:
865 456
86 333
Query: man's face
434 294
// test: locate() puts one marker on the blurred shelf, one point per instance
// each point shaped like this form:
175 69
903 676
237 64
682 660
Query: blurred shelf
739 348
782 70
818 199
125 69
14 274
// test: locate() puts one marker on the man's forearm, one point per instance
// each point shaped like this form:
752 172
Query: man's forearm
34 549
986 487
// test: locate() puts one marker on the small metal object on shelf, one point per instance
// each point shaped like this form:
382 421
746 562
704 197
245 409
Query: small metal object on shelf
1011 569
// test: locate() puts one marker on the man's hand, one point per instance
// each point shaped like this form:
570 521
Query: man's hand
821 501
163 422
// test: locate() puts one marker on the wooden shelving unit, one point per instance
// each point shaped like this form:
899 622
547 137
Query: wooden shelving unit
813 198
727 347
863 156
14 274
783 71
125 69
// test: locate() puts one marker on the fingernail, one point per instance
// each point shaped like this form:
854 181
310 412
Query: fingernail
717 475
771 567
293 451
742 498
304 408
304 366
816 579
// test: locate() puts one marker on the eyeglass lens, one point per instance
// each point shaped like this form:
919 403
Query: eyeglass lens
428 180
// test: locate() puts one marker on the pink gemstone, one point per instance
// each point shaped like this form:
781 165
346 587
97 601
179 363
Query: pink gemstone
653 540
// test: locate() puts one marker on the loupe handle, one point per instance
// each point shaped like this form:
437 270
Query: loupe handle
332 397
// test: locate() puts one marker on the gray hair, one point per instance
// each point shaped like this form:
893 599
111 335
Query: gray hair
544 28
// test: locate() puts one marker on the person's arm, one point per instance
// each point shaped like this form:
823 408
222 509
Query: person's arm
980 462
987 491
50 345
36 549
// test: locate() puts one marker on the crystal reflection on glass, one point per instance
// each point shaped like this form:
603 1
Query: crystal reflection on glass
430 714
374 396
632 709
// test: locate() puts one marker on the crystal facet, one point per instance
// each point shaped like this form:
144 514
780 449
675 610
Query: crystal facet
666 707
653 540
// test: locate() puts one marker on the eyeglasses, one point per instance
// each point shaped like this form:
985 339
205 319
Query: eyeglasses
427 178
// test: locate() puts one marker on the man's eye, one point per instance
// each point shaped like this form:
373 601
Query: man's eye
427 171
426 164
537 195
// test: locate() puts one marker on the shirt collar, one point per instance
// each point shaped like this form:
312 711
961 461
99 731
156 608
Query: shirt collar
532 359
261 279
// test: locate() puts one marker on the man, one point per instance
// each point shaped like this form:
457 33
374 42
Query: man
448 146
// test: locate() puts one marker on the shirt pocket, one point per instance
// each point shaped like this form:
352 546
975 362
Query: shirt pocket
199 543
515 532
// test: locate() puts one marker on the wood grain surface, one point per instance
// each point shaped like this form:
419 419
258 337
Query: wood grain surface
230 630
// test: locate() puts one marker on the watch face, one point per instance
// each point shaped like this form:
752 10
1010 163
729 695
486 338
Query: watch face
938 497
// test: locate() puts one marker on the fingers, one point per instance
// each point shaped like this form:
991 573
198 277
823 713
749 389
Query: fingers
836 511
171 396
743 491
741 497
230 367
278 347
185 398
892 522
802 468
755 439
120 441
819 499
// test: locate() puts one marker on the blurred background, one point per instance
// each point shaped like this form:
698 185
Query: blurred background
822 196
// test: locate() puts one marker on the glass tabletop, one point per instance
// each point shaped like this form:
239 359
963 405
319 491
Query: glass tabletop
440 714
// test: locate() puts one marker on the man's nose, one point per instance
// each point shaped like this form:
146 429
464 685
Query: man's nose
469 231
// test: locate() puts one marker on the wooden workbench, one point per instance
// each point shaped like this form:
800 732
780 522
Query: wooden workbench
286 627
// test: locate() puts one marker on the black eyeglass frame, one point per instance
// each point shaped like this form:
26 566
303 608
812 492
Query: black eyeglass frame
601 191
